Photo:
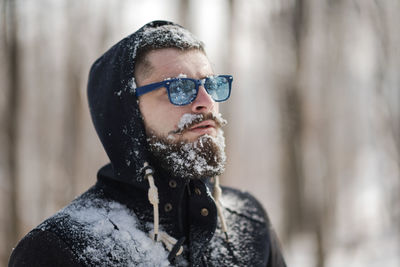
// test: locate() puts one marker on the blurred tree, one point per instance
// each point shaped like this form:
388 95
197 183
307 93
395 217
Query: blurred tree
72 112
184 13
9 119
291 105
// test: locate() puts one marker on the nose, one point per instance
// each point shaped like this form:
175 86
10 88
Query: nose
203 102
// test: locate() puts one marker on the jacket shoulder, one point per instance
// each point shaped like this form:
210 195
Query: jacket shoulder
249 221
101 232
42 248
244 204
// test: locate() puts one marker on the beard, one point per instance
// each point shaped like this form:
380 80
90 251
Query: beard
202 158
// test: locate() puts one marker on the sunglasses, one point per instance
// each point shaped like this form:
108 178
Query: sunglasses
183 91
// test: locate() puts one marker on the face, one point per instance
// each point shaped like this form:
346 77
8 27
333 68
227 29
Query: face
160 116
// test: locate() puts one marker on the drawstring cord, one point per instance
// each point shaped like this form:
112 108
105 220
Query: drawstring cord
153 197
174 246
217 195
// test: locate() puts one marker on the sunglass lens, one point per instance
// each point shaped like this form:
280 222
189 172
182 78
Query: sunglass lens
182 91
217 87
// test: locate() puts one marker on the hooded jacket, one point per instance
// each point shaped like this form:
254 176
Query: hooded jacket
111 223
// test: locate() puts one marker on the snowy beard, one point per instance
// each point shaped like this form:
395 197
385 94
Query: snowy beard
202 158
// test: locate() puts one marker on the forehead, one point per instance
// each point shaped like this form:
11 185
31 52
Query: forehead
171 62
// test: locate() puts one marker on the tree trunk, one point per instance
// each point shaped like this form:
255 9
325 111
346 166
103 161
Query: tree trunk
10 118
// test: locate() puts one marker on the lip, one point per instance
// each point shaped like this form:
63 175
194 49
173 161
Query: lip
204 127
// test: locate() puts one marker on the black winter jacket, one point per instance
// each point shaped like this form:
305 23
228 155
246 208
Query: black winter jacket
109 224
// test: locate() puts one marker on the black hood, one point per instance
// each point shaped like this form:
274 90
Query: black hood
113 105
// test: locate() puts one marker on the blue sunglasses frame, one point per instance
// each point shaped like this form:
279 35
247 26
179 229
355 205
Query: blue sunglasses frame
153 86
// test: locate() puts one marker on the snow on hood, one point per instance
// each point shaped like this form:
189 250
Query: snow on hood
111 94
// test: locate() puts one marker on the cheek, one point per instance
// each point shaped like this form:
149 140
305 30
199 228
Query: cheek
216 108
160 117
148 109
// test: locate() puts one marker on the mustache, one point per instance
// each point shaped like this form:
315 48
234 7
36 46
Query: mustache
218 120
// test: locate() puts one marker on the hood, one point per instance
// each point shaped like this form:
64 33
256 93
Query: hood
116 116
112 102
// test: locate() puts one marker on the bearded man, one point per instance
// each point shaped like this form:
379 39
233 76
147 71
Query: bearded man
154 99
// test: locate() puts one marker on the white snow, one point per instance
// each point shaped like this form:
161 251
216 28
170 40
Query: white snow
180 75
193 155
240 231
233 202
132 85
187 119
129 243
164 34
200 158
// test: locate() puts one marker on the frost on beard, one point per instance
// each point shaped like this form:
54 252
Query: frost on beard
202 158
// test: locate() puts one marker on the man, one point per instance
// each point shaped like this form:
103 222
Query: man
154 99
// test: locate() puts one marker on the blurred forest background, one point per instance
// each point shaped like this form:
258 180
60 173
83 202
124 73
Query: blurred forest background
314 117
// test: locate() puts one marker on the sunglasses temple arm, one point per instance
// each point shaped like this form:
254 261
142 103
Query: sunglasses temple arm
148 88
